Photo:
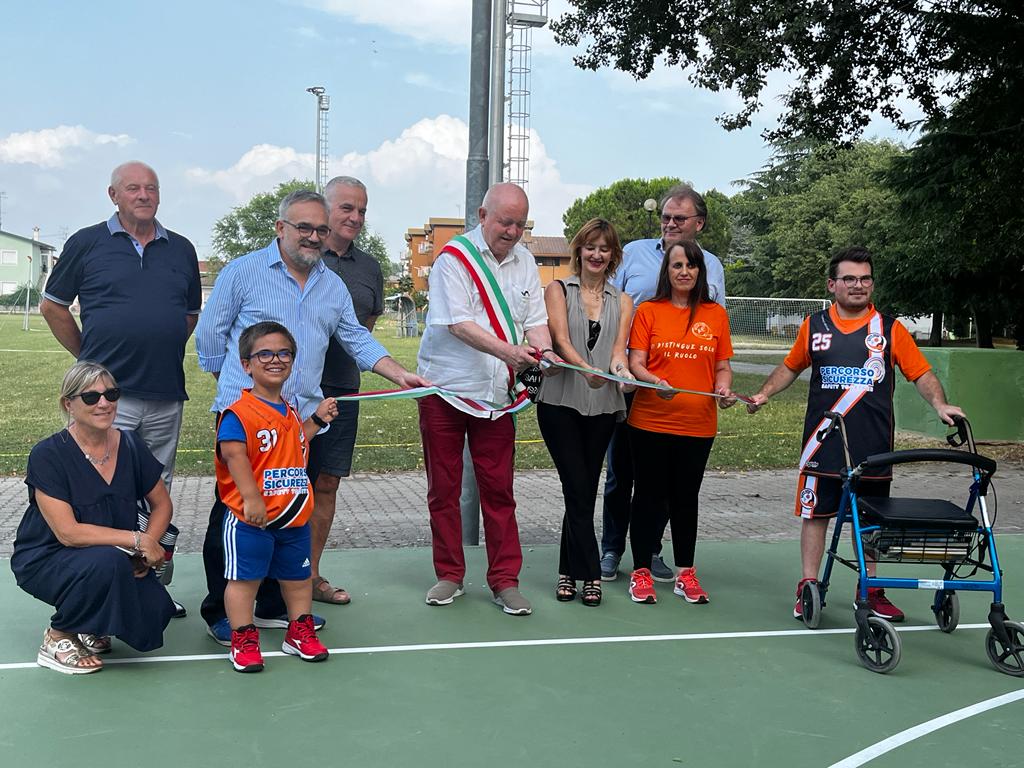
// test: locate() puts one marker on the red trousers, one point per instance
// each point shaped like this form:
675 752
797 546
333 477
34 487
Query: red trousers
492 444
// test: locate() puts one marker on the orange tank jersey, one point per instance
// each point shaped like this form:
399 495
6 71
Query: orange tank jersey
685 360
905 354
277 452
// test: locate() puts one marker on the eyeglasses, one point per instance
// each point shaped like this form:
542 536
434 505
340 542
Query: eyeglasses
308 229
849 280
91 396
678 220
267 355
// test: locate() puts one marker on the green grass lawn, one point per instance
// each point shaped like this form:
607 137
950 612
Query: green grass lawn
34 363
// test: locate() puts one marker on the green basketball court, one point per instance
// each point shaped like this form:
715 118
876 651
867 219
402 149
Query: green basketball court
733 683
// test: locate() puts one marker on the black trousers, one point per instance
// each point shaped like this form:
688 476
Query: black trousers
667 471
269 602
577 444
618 492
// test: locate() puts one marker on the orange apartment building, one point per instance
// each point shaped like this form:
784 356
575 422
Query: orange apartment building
424 243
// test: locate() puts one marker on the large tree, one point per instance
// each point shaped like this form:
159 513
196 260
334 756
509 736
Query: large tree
622 203
251 226
960 62
811 200
848 59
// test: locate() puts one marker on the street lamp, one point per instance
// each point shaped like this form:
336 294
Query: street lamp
650 205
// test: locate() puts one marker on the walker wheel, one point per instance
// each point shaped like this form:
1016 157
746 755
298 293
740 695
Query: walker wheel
810 604
1008 659
947 615
879 648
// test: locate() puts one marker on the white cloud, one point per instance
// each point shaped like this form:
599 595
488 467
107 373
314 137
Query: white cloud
423 80
259 170
426 21
51 147
430 21
419 174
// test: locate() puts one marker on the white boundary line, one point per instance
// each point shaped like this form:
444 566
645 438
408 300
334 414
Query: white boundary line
904 737
370 649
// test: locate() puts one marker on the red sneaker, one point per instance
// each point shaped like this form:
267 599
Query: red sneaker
688 588
798 609
881 607
641 586
245 649
301 640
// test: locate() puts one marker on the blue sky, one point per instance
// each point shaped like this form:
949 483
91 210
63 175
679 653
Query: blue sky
212 95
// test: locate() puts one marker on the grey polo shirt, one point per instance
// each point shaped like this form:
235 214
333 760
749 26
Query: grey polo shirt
365 281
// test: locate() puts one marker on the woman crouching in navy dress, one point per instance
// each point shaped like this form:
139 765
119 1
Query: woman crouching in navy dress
78 547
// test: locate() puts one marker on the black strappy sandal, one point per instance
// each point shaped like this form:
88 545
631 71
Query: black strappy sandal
591 593
565 589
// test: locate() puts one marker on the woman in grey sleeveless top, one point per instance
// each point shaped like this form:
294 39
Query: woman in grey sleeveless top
589 321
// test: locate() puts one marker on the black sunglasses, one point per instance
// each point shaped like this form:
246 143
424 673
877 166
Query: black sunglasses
91 396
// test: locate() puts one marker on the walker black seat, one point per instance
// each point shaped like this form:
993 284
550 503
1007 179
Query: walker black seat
919 514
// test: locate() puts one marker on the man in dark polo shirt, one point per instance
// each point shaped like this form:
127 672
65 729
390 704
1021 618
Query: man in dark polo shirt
331 452
138 287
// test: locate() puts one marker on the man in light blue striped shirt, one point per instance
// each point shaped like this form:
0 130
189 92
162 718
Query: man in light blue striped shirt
286 282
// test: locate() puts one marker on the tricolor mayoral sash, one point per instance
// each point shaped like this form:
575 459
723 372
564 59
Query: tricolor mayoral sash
462 249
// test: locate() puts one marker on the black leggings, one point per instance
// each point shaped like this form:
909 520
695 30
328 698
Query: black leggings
577 444
667 470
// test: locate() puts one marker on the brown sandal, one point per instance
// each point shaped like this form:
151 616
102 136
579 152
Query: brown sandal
333 595
65 655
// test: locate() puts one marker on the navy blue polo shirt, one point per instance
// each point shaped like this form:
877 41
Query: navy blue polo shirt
133 306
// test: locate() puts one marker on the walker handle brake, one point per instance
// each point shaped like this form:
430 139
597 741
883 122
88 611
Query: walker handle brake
834 419
958 438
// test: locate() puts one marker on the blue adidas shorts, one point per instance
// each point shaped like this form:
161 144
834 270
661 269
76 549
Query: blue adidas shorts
252 553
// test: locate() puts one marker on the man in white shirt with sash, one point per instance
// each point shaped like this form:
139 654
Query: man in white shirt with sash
485 301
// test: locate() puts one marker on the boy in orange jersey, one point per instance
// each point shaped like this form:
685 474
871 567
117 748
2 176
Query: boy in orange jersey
261 478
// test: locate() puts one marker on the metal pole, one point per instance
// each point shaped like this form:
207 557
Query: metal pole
476 186
479 75
28 293
316 157
496 119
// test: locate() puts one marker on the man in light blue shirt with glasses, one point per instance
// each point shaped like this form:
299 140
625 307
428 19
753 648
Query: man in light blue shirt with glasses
683 215
286 282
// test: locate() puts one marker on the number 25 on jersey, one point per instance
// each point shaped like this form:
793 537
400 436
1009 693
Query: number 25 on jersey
820 341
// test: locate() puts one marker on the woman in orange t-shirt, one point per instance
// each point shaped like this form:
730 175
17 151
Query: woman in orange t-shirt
680 338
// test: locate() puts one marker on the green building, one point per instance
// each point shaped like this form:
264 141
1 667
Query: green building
23 260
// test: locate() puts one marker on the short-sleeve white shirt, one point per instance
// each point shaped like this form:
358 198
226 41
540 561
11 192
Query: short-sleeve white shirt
454 365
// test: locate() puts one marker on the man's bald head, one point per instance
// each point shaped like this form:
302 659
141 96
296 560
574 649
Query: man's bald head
503 215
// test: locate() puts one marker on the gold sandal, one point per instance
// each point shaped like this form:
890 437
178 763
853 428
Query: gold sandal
96 643
65 655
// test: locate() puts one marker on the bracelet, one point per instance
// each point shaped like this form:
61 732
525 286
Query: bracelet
138 543
318 421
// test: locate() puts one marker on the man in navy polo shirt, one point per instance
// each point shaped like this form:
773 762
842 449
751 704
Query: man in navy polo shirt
138 287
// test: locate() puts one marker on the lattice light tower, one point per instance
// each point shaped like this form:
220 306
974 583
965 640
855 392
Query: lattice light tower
523 17
323 106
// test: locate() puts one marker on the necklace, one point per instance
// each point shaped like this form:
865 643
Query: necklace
94 460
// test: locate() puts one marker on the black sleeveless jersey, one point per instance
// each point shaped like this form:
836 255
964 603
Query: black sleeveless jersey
853 374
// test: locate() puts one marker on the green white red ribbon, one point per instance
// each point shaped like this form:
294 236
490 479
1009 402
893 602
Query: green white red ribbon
466 404
547 362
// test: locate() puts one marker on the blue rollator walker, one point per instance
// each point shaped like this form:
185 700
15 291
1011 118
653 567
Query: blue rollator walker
924 531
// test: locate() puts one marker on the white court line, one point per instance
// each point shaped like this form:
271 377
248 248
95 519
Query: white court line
520 644
903 737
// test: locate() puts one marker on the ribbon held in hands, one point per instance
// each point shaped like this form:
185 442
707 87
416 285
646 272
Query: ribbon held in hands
558 363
